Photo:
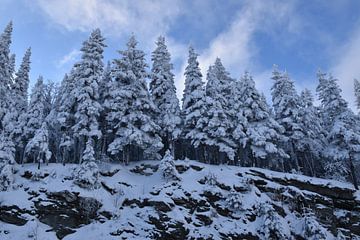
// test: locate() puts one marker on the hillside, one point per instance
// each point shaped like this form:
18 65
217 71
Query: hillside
136 202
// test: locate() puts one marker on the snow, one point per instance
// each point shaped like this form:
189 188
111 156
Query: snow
131 185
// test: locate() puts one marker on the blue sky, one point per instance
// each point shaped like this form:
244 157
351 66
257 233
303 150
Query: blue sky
299 36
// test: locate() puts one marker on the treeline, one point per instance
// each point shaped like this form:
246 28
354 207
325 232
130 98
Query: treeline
123 112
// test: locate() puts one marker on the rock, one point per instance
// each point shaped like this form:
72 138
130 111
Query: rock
65 211
112 191
223 186
109 173
106 214
196 168
63 232
12 215
145 169
34 176
206 220
329 191
181 168
159 206
212 197
235 236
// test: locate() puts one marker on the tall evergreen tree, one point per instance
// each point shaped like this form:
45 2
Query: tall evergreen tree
344 147
332 104
312 144
104 94
65 116
15 118
131 108
343 132
286 106
193 103
256 132
6 71
216 123
35 114
87 76
21 82
163 92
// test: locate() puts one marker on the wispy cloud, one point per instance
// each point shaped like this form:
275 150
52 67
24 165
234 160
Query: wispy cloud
236 44
346 67
116 18
71 57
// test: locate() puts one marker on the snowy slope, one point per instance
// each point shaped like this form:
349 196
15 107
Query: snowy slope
208 202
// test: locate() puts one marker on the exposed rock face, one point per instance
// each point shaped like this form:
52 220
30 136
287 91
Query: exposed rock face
63 211
195 210
325 201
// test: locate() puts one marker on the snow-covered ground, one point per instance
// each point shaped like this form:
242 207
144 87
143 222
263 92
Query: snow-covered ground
207 202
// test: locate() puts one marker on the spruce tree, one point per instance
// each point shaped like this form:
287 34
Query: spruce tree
332 104
131 110
65 116
87 75
6 71
312 144
35 114
38 146
104 97
286 107
257 134
193 103
163 93
216 123
343 132
344 147
15 118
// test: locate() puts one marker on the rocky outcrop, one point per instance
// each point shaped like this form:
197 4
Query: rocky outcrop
335 207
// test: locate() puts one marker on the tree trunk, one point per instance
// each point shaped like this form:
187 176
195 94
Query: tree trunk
295 156
353 174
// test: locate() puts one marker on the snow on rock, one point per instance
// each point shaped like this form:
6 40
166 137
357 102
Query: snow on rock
205 202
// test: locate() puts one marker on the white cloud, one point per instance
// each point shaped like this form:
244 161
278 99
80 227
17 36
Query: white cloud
68 58
148 19
235 45
347 67
116 17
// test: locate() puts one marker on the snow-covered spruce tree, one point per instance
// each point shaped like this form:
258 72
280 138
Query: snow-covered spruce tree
65 117
6 71
344 147
222 85
7 162
167 167
256 132
131 110
286 105
15 118
87 174
193 103
357 93
273 226
38 146
343 131
332 104
312 144
88 74
216 123
35 114
104 97
163 93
